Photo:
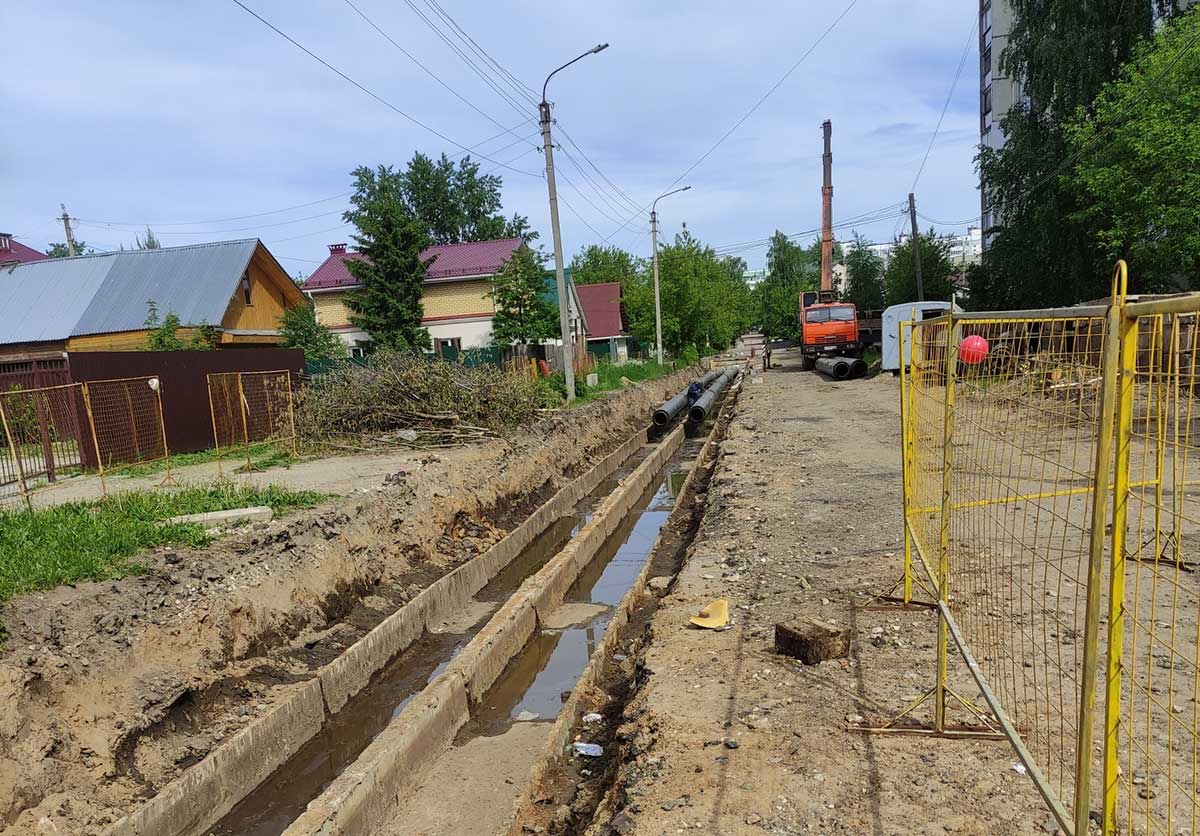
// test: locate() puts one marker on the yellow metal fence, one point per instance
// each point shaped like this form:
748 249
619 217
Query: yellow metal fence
1050 495
249 408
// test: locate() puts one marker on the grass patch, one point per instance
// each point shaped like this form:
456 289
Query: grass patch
263 454
100 540
610 377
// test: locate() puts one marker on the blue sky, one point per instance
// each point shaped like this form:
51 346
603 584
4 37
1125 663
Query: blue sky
133 113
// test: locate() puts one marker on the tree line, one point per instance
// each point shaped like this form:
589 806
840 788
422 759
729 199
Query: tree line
1102 159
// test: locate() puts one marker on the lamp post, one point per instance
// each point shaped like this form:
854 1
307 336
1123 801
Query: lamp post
564 317
654 259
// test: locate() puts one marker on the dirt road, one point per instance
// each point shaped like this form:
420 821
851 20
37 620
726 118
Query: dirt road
726 736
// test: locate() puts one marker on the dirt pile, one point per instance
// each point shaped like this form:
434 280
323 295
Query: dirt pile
113 689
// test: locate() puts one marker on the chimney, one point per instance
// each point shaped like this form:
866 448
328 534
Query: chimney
337 249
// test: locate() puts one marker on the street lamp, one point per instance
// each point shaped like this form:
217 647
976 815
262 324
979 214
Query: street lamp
654 249
564 319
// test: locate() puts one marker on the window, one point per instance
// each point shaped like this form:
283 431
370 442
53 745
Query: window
245 285
985 20
985 63
837 313
454 344
985 102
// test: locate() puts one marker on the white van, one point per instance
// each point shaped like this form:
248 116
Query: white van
892 351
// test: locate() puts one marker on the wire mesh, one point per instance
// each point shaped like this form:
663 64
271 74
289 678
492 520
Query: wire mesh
45 431
127 421
1003 446
250 408
1153 720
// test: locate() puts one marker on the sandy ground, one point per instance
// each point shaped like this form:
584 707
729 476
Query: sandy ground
726 736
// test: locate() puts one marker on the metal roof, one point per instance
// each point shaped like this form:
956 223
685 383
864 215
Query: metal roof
470 258
107 292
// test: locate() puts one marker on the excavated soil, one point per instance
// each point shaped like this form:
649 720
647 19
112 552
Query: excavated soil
111 690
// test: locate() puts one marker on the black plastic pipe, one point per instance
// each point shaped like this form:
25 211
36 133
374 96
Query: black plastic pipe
836 367
858 367
701 407
667 413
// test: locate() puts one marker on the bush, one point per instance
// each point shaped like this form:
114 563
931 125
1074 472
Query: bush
689 356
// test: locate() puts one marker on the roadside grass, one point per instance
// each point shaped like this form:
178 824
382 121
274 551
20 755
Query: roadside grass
872 356
100 540
610 377
264 454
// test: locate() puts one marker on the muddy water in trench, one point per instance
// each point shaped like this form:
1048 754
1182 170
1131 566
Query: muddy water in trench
278 801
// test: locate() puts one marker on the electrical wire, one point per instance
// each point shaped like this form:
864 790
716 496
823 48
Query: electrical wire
368 91
223 231
559 173
615 208
483 75
632 204
751 111
575 212
949 95
138 226
515 83
428 71
863 218
972 220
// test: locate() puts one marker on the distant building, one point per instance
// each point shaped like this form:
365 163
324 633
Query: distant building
100 302
997 93
457 295
606 337
14 252
753 277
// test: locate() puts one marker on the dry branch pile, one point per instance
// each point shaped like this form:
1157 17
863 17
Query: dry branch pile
406 399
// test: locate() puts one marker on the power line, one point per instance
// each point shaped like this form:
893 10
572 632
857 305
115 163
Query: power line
571 183
971 220
753 108
416 61
96 225
366 90
616 189
515 83
617 208
863 218
949 95
484 76
575 212
140 226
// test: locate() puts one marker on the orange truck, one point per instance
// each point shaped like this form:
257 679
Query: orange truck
828 328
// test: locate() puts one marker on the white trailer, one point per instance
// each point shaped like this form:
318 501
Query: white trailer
891 350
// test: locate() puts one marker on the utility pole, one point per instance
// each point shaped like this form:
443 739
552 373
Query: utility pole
916 239
564 302
657 301
654 250
66 219
564 317
827 211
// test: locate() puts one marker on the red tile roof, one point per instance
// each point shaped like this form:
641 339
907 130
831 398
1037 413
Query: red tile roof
11 250
602 308
474 258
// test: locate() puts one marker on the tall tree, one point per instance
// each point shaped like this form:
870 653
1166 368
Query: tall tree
456 203
791 269
150 242
523 315
864 275
597 264
900 278
387 302
1062 52
60 250
1139 162
300 329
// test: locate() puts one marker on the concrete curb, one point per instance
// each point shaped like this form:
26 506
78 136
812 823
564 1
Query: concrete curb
207 791
364 797
556 745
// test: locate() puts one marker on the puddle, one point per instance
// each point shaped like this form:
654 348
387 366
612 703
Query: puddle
278 801
539 680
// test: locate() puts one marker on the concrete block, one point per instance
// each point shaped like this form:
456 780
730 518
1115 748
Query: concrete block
484 658
811 641
224 519
349 673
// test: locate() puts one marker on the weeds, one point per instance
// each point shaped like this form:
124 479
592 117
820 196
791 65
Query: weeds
264 454
100 540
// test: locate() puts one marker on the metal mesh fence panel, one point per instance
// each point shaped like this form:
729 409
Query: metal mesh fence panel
44 435
127 421
250 408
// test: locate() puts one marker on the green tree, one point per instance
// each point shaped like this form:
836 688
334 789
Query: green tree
1139 162
300 329
522 315
791 269
60 250
164 332
150 242
900 278
455 203
864 276
387 302
1062 52
597 264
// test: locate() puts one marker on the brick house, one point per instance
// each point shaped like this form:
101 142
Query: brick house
14 252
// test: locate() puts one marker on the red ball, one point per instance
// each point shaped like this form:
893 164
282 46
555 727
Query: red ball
973 350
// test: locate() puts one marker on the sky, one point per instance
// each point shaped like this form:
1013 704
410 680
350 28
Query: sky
191 116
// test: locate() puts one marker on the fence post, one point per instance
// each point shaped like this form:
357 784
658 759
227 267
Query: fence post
905 465
292 414
245 422
12 448
87 405
162 424
212 412
40 399
1128 340
943 664
1102 470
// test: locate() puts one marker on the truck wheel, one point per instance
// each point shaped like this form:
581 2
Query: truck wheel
807 364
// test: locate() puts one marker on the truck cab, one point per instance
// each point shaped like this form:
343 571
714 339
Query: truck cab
827 327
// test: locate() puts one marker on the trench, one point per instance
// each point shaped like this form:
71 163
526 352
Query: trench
515 716
276 803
